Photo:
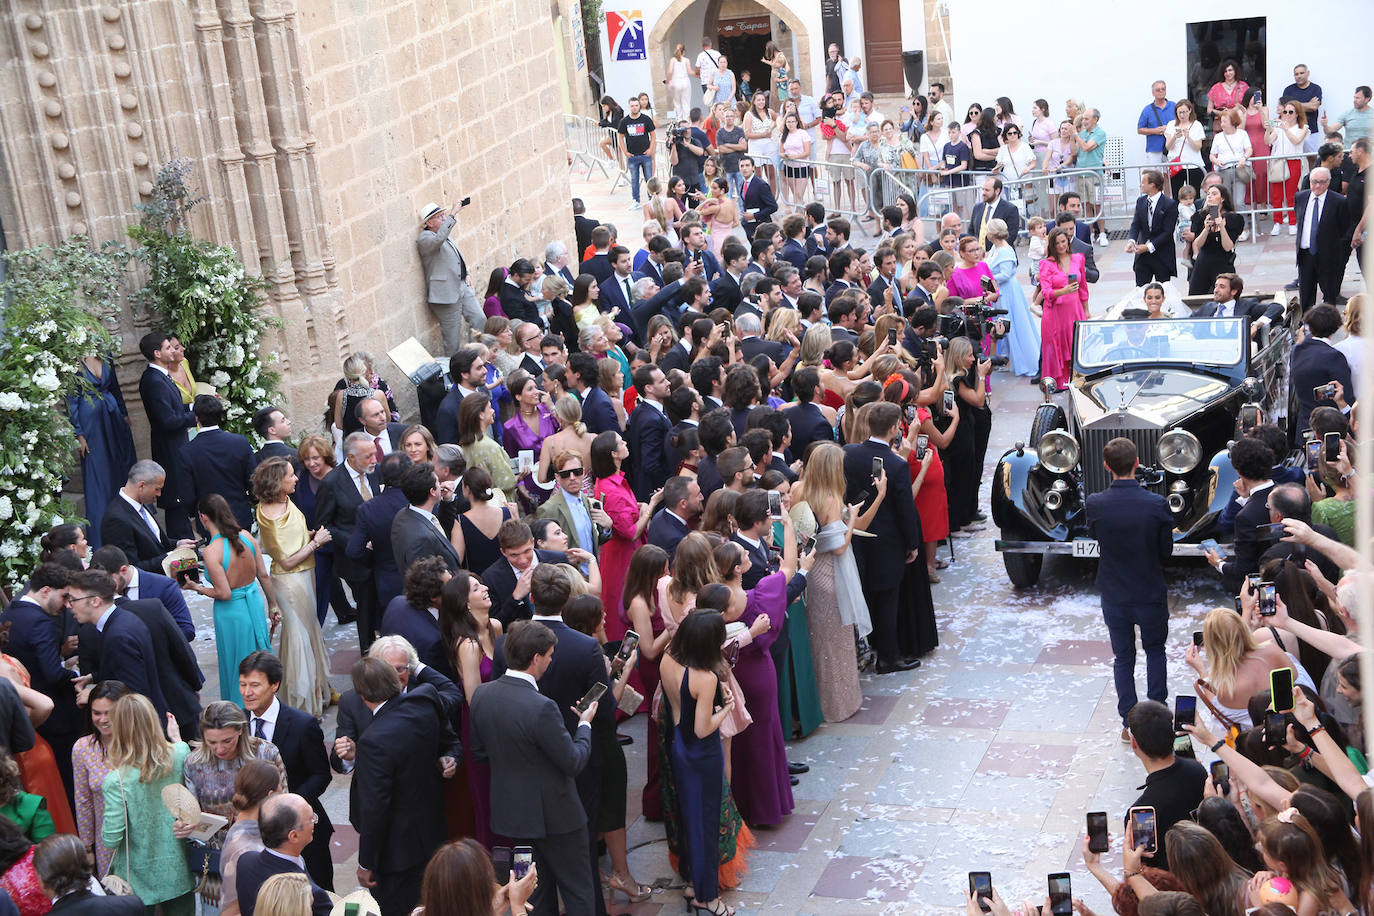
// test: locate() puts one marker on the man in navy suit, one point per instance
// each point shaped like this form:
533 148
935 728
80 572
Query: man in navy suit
1314 363
885 289
794 248
725 292
274 428
616 291
1071 202
805 418
298 737
697 248
751 344
896 530
1323 246
169 420
139 584
217 461
376 421
126 647
370 545
597 412
681 503
288 828
508 579
1253 462
1134 531
1226 303
35 640
599 264
130 524
415 532
1151 238
556 261
991 207
414 614
756 197
468 372
342 491
645 432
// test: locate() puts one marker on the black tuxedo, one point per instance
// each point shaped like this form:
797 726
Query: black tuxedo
1314 363
216 461
530 367
895 530
275 449
1003 210
84 903
126 654
414 537
178 673
878 286
583 227
336 508
516 304
300 740
420 628
666 530
1323 262
252 870
401 805
808 425
776 350
597 411
499 578
794 253
534 762
599 266
168 418
373 526
644 435
125 528
755 194
725 292
1162 263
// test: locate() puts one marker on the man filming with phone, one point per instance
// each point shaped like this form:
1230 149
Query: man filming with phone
1173 785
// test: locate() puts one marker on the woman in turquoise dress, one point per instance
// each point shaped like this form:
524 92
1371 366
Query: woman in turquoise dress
799 701
1023 335
101 423
238 582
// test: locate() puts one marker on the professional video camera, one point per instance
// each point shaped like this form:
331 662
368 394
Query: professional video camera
677 133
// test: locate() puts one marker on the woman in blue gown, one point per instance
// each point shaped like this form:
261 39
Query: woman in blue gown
101 423
1023 336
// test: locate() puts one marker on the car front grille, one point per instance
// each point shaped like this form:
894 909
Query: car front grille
1095 476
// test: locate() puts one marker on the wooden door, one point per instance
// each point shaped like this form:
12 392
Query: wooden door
882 68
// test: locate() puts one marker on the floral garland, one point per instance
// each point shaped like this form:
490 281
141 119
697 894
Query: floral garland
56 305
208 301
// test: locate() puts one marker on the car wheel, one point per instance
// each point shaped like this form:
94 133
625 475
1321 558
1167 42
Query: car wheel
1023 569
1047 417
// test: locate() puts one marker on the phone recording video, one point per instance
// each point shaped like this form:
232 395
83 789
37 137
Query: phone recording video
892 337
1312 454
1281 689
1185 711
521 861
1143 829
1097 832
1268 599
948 401
628 643
980 889
774 504
922 443
591 696
877 466
1061 894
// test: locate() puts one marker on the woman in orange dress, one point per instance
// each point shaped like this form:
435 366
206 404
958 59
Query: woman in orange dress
38 766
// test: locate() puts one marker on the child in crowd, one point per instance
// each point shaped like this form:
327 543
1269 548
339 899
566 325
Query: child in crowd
746 85
1035 252
955 156
1187 206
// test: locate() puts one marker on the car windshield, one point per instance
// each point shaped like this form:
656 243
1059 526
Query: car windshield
1205 341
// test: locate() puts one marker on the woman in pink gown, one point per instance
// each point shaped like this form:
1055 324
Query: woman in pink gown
1065 290
629 518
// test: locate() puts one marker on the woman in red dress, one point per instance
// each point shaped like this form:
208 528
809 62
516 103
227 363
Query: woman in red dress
629 519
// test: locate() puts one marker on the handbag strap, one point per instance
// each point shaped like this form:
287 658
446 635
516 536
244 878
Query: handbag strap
1202 690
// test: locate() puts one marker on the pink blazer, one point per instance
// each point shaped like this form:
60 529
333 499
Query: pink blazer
1052 278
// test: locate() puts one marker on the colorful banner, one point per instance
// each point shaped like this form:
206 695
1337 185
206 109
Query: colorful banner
625 35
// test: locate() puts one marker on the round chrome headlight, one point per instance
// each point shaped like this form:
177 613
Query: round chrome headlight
1058 451
1179 451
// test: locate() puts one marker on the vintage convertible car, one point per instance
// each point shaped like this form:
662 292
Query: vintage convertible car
1177 388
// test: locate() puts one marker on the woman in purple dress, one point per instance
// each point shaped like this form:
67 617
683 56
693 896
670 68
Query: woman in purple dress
469 636
759 777
533 422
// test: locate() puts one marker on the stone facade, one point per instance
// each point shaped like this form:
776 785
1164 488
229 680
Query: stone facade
317 129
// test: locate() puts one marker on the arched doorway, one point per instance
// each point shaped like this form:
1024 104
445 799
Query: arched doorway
688 20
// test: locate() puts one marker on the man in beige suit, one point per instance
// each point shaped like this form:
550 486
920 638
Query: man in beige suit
446 275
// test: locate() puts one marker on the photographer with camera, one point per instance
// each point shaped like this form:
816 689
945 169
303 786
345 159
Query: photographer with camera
687 152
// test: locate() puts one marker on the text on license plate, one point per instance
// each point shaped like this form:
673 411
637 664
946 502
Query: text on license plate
1084 548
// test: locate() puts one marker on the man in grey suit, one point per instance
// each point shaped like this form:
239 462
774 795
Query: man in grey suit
415 532
534 762
446 275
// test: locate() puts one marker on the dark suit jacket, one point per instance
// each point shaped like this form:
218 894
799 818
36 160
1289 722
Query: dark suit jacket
1247 546
644 432
84 903
275 449
664 302
372 524
550 270
896 527
780 465
758 196
517 305
808 425
1003 210
775 350
794 253
413 537
725 292
126 654
916 299
835 288
1090 271
216 461
612 296
838 333
336 508
1135 530
676 358
178 673
499 578
421 630
652 269
708 477
597 411
1159 232
667 531
534 762
1333 226
599 266
300 740
253 870
123 527
169 419
876 288
35 640
1282 550
530 367
1245 307
582 228
561 322
401 811
446 417
763 561
1314 363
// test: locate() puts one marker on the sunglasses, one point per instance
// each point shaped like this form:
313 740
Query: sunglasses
571 472
1012 133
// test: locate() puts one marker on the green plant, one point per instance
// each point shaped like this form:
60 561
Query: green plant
58 306
207 299
591 19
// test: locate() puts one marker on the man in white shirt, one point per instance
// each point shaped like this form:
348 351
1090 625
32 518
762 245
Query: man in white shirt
939 103
706 63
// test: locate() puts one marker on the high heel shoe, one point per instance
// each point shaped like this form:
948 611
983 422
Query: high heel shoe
720 909
620 884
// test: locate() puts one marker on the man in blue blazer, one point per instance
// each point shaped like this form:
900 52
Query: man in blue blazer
1134 531
645 431
698 248
298 737
1151 238
508 579
597 411
413 614
126 647
217 461
169 420
756 196
369 544
287 824
140 584
805 418
612 293
35 640
681 503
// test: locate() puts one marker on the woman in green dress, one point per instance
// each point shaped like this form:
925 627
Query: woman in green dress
799 702
475 417
137 825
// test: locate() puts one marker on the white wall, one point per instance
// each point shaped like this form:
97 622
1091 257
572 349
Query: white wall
1125 49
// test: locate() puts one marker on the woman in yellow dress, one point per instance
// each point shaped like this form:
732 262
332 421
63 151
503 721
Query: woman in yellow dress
180 370
284 536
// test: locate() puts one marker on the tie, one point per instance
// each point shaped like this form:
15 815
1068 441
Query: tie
151 522
983 228
363 488
628 298
1149 213
1312 225
377 441
744 191
257 728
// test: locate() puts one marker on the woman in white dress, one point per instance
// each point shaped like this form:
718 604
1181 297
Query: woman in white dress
680 81
760 129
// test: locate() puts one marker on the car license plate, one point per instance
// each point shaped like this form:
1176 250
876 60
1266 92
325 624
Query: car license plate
1084 548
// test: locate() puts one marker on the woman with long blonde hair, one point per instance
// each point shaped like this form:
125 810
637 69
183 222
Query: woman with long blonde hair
663 209
1237 665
